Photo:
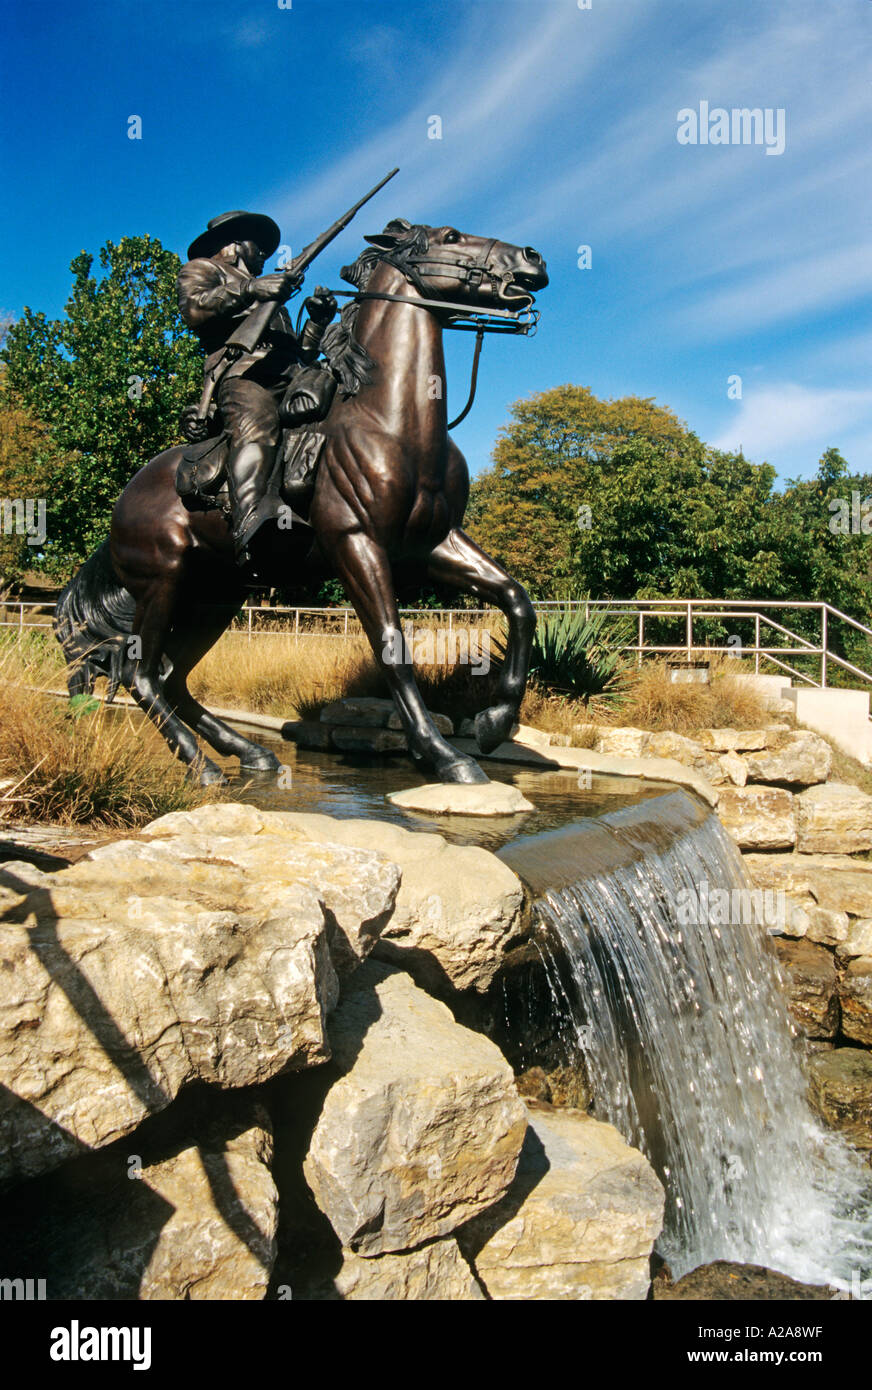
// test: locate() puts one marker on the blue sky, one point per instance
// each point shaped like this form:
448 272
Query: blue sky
559 128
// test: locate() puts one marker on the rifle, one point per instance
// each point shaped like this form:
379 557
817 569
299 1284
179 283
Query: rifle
257 321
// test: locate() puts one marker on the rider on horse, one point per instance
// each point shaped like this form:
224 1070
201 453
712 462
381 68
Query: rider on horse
255 395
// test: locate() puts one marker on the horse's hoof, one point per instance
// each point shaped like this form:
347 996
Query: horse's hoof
493 726
463 770
209 774
260 760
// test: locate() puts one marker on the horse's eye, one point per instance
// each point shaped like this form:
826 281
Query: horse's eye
451 236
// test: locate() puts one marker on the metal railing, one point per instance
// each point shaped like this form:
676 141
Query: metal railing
744 610
305 622
19 607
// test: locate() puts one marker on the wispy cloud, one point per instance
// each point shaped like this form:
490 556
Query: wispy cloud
781 416
495 100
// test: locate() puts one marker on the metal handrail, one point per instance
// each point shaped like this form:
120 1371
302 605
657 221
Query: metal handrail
761 612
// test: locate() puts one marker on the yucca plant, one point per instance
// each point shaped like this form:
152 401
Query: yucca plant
578 653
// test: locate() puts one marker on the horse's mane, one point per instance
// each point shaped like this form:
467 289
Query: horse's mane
349 362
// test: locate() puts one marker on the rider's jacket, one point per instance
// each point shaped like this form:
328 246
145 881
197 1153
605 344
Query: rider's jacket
220 290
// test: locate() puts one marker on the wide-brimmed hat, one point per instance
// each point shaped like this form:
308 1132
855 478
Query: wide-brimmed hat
236 226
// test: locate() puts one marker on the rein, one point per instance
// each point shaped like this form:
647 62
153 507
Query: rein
464 320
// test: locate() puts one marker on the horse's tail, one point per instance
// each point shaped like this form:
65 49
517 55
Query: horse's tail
93 619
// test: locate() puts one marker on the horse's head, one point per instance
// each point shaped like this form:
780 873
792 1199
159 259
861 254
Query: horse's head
444 263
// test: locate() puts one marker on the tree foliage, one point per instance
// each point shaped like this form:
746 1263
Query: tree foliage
107 381
621 500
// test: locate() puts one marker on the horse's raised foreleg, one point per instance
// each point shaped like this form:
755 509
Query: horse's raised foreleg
459 562
150 635
365 571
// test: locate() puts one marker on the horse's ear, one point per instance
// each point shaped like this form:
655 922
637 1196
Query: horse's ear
392 233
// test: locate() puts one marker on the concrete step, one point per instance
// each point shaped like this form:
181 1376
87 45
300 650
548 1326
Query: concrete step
842 715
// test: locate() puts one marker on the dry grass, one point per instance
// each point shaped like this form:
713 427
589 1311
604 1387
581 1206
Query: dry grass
847 769
84 767
652 701
276 675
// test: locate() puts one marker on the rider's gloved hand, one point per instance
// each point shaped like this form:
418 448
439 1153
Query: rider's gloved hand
321 306
279 285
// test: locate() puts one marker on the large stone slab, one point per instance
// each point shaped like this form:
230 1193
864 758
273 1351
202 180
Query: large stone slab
810 977
579 1221
356 885
206 951
836 882
855 999
835 818
758 817
459 910
598 764
841 1090
802 759
369 712
735 740
350 739
462 799
424 1128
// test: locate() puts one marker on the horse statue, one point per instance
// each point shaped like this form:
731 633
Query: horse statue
388 488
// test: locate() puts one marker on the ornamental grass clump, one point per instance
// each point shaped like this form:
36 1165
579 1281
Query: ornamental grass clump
77 763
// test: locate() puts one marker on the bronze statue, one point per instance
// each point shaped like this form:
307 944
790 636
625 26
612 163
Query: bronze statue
219 285
379 483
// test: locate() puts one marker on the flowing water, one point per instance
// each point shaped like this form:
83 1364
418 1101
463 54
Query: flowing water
671 992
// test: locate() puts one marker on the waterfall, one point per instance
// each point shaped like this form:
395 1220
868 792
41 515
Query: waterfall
663 972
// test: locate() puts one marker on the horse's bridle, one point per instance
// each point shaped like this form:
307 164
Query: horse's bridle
459 316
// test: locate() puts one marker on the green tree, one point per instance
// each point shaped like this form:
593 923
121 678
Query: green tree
524 509
108 380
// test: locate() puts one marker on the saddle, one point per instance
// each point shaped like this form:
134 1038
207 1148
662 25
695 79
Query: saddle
201 478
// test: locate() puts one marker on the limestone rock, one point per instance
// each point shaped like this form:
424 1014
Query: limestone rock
622 743
686 751
442 722
858 941
357 886
579 1221
810 977
841 1090
803 759
834 881
820 924
366 712
424 1128
855 998
461 799
362 739
433 1272
735 768
459 909
208 950
835 818
184 1209
734 740
758 817
305 733
219 1242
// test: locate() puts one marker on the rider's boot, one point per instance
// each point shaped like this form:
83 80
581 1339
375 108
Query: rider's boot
248 473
